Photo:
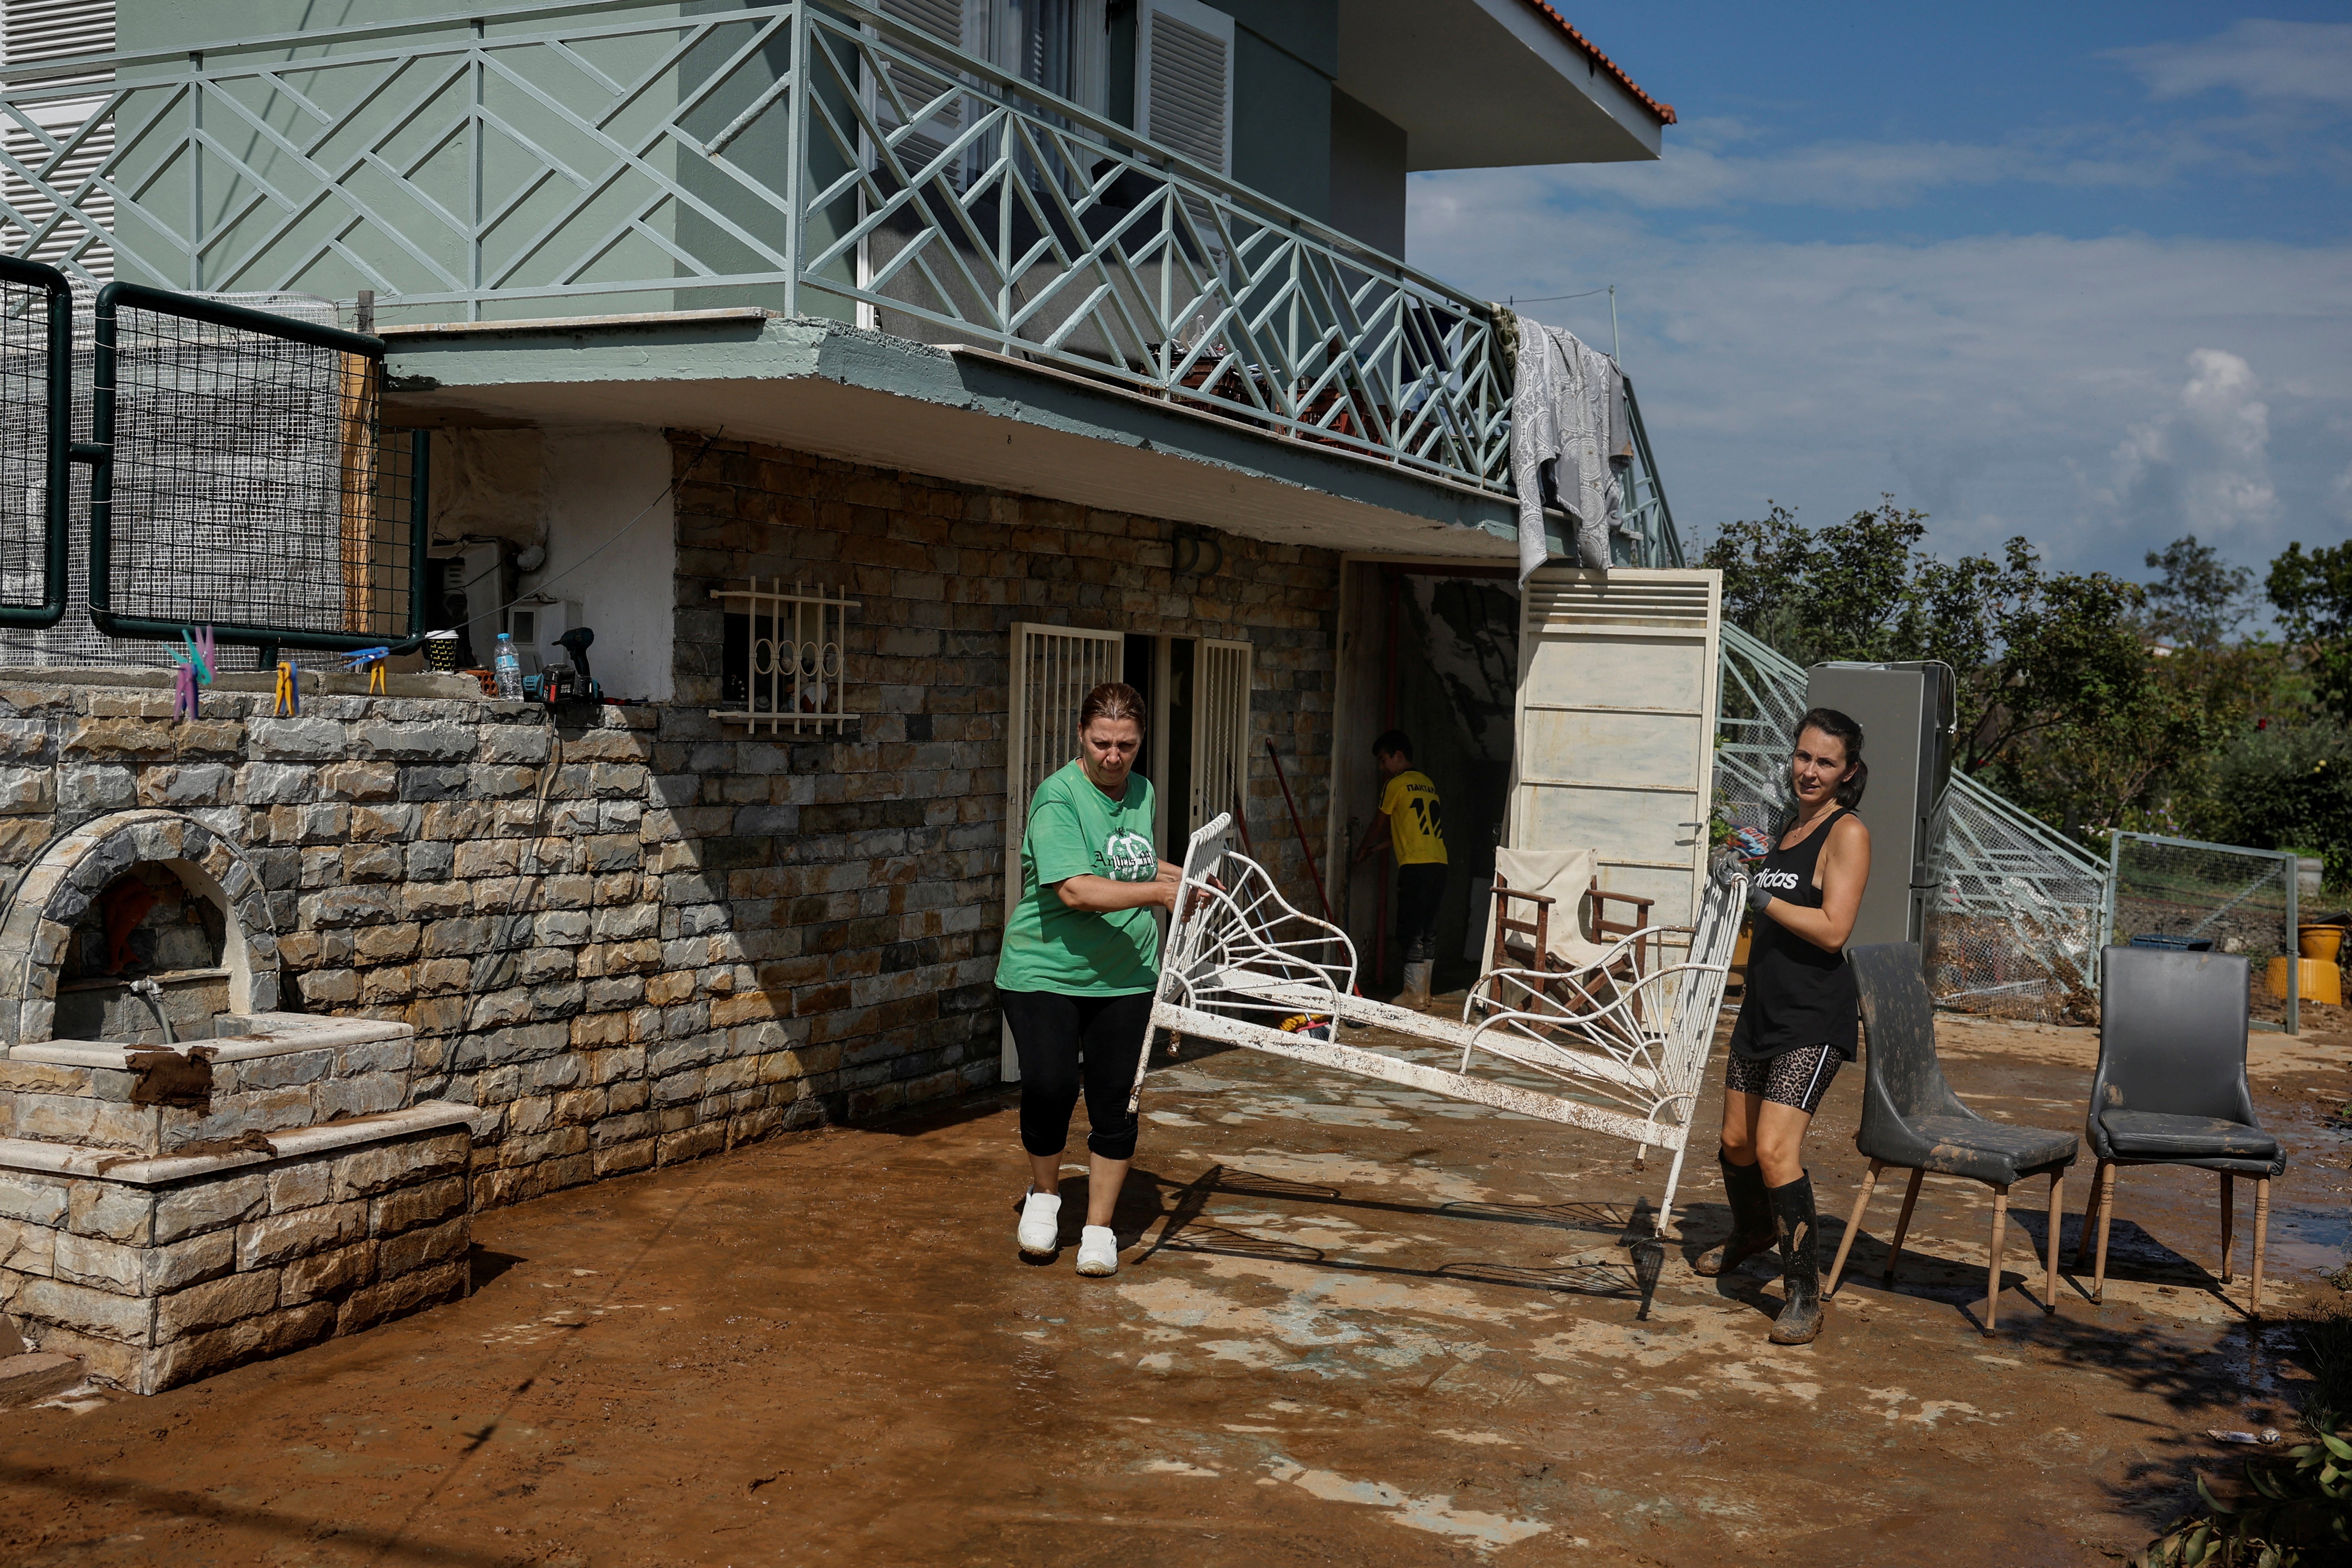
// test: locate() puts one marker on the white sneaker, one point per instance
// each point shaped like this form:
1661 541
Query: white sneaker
1041 1224
1098 1251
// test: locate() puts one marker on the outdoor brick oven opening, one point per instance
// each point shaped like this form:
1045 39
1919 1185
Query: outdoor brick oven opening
150 924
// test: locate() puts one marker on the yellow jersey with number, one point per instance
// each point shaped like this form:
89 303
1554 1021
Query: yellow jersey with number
1416 828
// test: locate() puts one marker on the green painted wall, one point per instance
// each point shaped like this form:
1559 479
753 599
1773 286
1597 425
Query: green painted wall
1286 55
1367 172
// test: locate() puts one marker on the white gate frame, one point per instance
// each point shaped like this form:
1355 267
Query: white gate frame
1241 961
1054 668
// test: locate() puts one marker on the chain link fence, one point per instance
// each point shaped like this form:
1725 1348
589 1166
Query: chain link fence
2215 898
2015 930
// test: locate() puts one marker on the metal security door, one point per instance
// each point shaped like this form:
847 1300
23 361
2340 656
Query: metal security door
1616 720
1054 668
1221 725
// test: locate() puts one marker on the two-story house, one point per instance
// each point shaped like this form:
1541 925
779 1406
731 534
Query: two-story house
871 378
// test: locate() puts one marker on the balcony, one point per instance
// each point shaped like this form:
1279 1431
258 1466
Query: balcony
810 156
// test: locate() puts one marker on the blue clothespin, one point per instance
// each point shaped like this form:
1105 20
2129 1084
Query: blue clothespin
371 661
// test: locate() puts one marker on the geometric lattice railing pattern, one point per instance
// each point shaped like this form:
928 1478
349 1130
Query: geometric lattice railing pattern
825 160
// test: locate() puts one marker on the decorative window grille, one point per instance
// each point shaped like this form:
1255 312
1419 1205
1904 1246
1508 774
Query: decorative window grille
784 659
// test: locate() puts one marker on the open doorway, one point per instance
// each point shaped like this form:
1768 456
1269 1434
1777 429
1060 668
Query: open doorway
1432 650
1195 750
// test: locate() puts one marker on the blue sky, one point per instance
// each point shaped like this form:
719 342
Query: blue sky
2079 272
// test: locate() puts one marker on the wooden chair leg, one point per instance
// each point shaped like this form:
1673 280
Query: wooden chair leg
1853 1226
1999 1227
2091 1211
2106 1216
2057 1216
2229 1197
2262 1235
1902 1225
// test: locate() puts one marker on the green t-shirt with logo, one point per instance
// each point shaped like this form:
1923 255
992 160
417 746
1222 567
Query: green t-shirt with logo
1076 830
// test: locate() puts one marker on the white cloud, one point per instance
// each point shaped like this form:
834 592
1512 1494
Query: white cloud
1712 163
2260 58
2025 385
2204 464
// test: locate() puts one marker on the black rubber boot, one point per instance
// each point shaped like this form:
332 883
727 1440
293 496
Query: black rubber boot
1800 1264
1753 1229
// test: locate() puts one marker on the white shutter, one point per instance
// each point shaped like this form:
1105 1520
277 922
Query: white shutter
1054 668
953 23
1220 733
1184 81
32 31
1616 725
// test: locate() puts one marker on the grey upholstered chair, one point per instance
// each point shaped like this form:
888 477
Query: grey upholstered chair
1912 1121
2171 1088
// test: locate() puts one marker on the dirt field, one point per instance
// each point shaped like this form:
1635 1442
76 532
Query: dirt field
1371 1327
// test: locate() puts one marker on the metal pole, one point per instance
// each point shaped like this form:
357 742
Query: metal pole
2294 945
795 152
474 233
196 171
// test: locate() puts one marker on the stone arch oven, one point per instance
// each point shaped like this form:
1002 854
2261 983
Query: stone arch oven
149 888
189 1177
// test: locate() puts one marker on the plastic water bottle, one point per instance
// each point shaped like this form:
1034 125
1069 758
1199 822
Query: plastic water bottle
509 669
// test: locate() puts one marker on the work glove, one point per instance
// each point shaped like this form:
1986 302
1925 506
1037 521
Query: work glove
1757 897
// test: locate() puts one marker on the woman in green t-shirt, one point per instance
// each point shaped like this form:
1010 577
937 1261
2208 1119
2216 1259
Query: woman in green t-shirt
1080 962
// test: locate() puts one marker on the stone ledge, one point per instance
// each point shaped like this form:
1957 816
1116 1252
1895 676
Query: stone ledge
60 1160
257 1035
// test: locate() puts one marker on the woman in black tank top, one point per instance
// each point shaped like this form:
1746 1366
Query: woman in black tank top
1799 1017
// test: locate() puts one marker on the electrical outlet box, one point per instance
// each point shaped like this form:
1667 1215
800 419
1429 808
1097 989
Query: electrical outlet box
535 624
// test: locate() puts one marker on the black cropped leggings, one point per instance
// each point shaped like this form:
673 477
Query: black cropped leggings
1065 1042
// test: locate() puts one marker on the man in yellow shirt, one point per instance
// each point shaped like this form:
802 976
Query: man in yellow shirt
1410 823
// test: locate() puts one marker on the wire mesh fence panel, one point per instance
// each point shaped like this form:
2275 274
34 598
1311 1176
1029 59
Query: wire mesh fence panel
75 641
25 381
2217 897
246 483
2015 929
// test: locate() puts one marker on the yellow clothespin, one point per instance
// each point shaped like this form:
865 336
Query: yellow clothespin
376 679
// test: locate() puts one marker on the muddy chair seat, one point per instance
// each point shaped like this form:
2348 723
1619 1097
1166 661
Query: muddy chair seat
1994 1152
2151 1135
1912 1121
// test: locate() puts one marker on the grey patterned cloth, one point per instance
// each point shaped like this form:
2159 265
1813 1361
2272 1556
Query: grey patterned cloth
1571 439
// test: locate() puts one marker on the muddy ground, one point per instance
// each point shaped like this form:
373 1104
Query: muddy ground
1357 1324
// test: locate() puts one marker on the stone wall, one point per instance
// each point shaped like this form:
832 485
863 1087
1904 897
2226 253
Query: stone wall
634 935
154 1272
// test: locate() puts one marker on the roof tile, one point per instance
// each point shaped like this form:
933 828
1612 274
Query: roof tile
1664 112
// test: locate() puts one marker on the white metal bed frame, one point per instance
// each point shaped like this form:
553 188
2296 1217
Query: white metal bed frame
1242 962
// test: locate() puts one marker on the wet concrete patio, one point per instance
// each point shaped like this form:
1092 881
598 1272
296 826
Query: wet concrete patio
1355 1323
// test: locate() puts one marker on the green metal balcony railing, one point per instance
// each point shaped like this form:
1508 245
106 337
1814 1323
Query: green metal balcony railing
813 155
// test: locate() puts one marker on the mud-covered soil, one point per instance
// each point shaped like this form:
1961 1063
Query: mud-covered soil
1356 1324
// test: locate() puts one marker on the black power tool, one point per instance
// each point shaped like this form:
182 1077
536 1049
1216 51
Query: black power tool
567 683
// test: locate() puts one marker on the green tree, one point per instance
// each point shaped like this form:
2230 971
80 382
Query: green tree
2314 595
2198 602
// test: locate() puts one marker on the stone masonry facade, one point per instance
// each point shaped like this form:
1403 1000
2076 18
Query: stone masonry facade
648 936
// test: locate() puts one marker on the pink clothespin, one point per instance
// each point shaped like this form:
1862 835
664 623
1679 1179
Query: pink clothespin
195 669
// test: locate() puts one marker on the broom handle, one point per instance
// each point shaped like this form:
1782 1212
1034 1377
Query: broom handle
1300 829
